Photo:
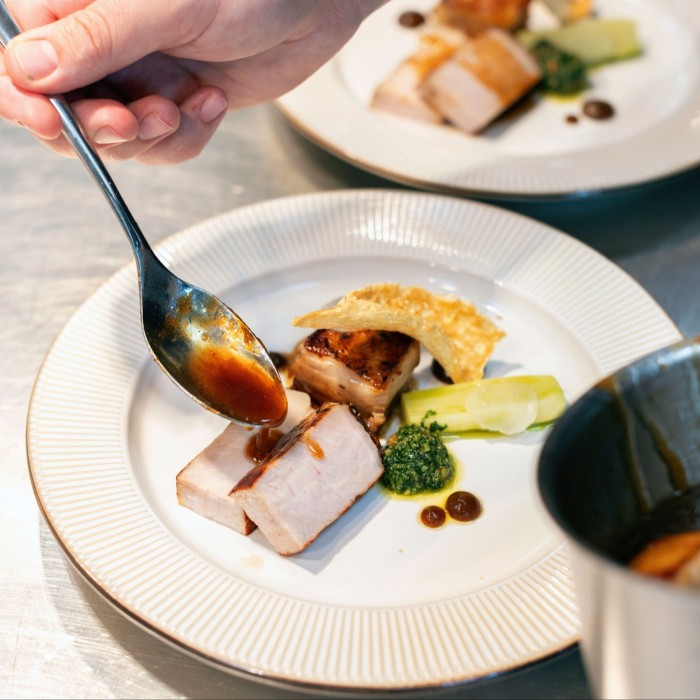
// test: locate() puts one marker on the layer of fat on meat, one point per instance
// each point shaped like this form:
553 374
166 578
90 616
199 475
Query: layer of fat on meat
313 476
481 79
366 368
205 483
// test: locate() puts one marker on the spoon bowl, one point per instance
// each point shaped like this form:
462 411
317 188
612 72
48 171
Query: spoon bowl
208 350
198 341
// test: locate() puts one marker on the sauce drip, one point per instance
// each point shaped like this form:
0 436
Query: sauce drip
261 444
315 449
463 506
411 19
433 516
237 387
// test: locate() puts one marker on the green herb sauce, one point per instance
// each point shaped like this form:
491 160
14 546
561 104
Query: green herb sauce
562 72
416 460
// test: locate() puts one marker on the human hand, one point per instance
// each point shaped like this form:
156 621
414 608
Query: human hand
152 79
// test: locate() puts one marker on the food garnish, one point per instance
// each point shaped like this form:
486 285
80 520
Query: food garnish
451 329
594 41
562 72
499 406
416 460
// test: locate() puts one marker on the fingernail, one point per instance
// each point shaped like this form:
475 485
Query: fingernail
108 136
212 108
152 126
37 59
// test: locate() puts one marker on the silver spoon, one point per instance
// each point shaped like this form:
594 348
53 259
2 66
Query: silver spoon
198 341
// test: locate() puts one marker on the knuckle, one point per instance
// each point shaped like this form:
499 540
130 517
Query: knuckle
90 35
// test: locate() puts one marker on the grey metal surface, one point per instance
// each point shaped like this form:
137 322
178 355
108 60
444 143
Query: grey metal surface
58 241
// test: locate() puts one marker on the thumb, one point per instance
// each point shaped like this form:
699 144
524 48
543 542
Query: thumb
89 44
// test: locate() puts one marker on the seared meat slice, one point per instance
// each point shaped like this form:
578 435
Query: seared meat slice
316 472
399 93
474 15
364 368
205 483
487 74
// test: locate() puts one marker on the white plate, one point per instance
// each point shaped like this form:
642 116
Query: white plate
378 601
655 133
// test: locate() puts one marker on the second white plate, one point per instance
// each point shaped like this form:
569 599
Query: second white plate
534 153
377 601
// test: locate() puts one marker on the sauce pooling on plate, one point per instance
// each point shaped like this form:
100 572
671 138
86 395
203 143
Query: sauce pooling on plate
237 386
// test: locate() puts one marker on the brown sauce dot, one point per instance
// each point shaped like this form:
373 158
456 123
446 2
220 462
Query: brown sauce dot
463 506
572 119
439 373
433 516
598 109
411 19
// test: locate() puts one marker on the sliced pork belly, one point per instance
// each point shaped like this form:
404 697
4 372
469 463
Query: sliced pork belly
475 15
316 472
365 368
400 94
205 483
487 74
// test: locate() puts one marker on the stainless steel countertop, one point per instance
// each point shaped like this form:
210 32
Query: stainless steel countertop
58 241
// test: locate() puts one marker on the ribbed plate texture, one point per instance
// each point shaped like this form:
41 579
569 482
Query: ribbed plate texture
89 483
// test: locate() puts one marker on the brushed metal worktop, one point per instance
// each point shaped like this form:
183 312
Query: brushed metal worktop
59 241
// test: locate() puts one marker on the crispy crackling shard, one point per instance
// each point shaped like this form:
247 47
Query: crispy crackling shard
451 329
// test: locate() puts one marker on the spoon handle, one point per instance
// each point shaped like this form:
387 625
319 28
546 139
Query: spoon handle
94 164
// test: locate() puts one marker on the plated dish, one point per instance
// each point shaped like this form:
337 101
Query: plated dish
531 152
107 433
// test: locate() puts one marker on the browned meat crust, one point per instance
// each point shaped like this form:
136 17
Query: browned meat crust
373 355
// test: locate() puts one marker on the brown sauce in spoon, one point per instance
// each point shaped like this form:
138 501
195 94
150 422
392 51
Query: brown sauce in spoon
237 387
